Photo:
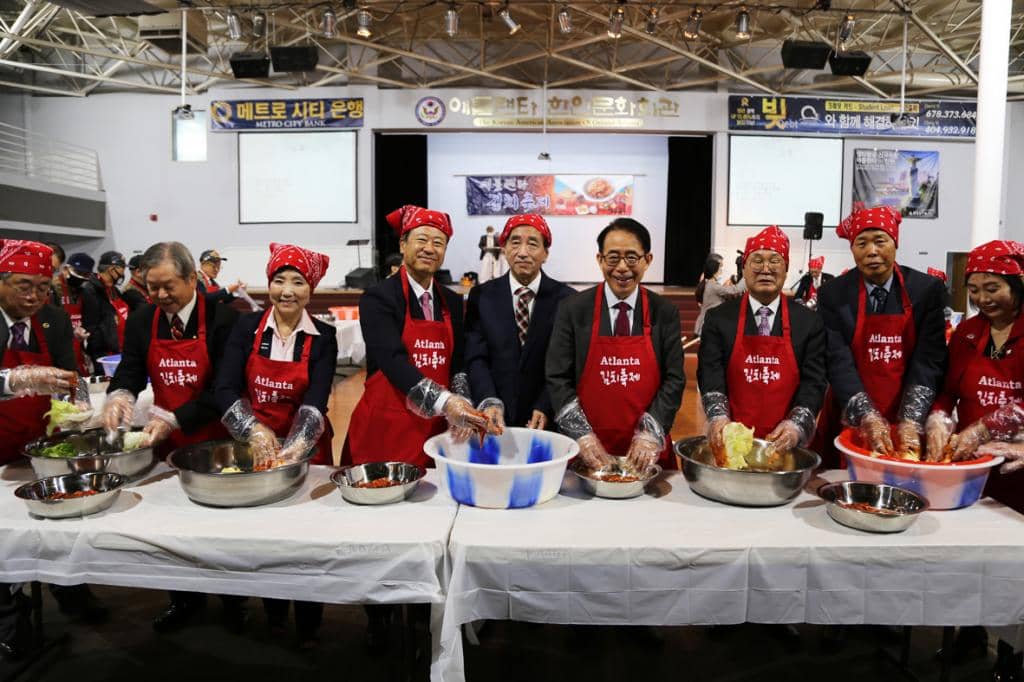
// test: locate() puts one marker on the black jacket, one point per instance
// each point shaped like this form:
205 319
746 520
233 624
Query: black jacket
804 285
570 341
382 319
837 304
99 319
56 329
221 295
807 334
232 382
495 250
132 373
498 366
134 298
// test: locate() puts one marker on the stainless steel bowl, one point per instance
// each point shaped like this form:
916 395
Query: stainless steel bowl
594 483
200 472
407 477
36 494
95 454
777 483
898 508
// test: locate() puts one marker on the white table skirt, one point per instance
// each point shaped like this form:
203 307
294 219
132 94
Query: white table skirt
673 558
350 341
312 546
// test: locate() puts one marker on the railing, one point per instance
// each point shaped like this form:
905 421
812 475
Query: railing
23 152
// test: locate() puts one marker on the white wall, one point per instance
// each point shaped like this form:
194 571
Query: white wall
12 109
197 203
923 243
1013 177
452 156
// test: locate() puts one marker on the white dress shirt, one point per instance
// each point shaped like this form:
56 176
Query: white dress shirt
773 307
283 348
418 291
185 314
611 301
533 286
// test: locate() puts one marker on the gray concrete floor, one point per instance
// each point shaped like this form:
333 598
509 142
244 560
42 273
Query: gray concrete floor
127 649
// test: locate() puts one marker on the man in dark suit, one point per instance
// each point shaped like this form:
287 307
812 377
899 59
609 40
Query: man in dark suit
491 266
768 373
209 267
810 284
104 311
886 338
615 363
508 326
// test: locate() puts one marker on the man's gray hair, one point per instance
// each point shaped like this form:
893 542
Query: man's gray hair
174 252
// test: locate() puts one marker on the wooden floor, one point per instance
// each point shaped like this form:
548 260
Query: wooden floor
689 420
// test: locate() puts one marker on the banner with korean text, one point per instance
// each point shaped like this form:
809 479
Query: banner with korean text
285 114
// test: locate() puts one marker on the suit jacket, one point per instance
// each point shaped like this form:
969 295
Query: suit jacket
56 329
804 285
132 373
498 366
382 320
570 341
837 304
133 297
483 246
99 319
807 333
222 295
232 381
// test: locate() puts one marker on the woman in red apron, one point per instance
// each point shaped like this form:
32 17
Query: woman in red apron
411 358
762 375
621 397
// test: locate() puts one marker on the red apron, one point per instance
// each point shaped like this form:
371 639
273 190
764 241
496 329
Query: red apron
382 427
21 419
179 371
985 385
620 379
121 314
210 285
881 346
763 375
74 311
276 389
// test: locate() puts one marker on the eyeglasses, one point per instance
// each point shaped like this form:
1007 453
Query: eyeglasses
775 263
26 288
613 258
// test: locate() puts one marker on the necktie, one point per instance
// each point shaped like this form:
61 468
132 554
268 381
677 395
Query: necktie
523 297
878 297
426 307
19 336
763 328
622 327
177 329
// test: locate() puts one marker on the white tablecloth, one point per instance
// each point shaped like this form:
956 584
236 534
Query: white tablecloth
673 558
312 546
350 341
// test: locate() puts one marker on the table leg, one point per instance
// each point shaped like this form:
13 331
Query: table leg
40 646
946 661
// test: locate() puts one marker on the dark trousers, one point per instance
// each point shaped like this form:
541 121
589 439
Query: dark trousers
308 615
179 598
9 613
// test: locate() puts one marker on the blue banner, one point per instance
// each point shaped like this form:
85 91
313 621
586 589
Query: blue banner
284 114
829 116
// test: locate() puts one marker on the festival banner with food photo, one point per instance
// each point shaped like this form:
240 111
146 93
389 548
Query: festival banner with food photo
905 180
565 195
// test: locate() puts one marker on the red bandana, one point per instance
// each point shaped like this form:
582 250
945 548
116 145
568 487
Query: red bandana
410 217
770 238
878 218
1000 257
529 220
816 263
310 264
935 272
25 257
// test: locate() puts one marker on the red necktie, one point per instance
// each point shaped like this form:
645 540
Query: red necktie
177 329
622 327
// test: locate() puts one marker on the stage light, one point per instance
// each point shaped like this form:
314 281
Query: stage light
846 31
742 24
328 23
652 21
615 22
513 25
451 21
692 30
364 20
564 21
234 26
259 25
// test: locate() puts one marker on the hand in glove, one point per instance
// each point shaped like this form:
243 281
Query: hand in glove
643 452
117 411
157 430
716 439
1013 452
37 380
785 436
965 443
538 420
937 432
263 446
874 433
592 452
304 434
460 415
908 439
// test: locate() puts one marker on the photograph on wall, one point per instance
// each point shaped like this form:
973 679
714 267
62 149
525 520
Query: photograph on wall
905 180
564 195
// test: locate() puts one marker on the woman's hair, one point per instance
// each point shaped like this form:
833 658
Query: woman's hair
712 265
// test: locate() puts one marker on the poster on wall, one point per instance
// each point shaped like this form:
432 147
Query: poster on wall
565 195
905 180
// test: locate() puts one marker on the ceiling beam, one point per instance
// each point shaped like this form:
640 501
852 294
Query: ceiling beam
86 76
40 88
936 40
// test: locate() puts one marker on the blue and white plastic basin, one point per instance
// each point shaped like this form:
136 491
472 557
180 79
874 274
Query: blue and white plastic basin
520 468
110 363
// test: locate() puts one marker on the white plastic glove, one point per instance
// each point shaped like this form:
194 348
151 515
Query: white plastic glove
1013 452
937 431
874 433
118 409
38 380
592 452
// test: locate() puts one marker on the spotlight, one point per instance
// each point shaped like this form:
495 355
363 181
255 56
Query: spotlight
234 26
652 21
513 25
183 112
846 31
451 21
564 21
328 23
259 24
742 24
544 156
615 22
364 20
692 30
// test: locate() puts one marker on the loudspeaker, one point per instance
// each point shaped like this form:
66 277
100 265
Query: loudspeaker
849 63
250 65
443 277
812 225
298 58
804 54
361 278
